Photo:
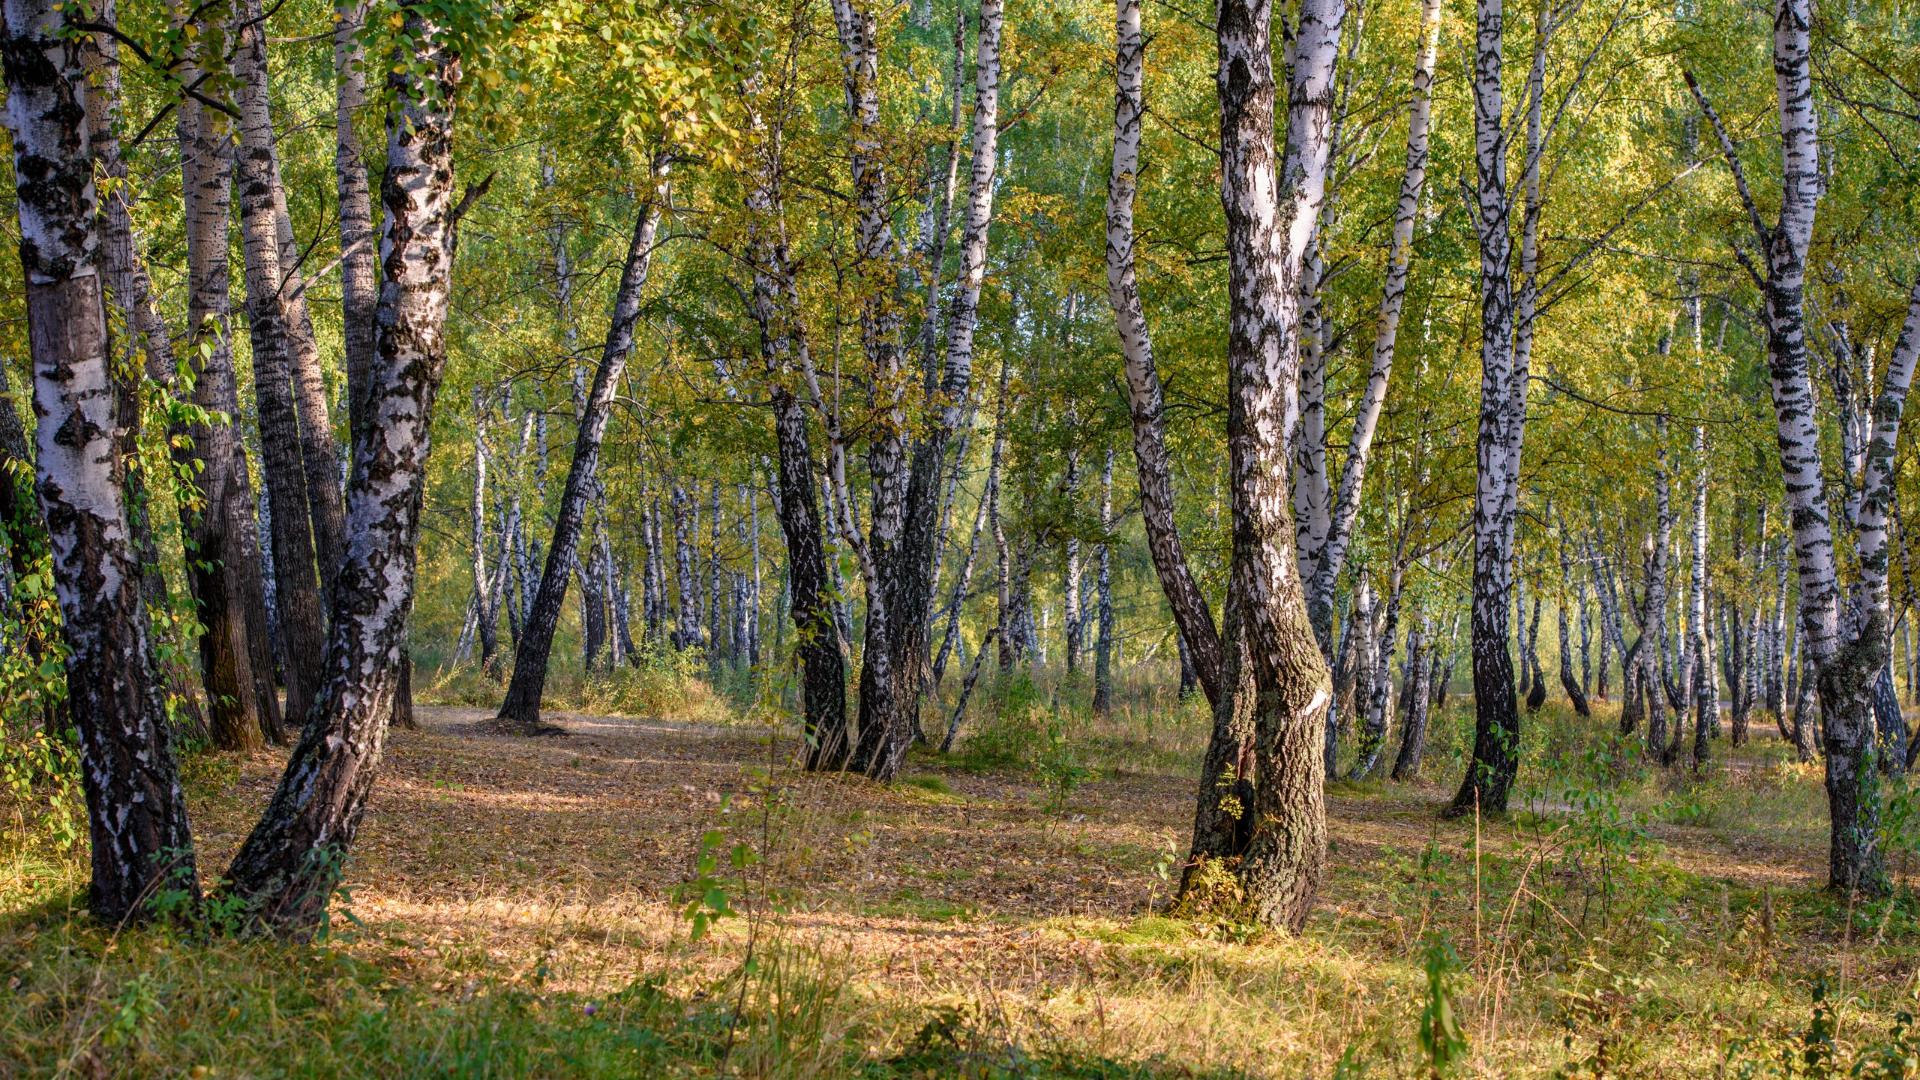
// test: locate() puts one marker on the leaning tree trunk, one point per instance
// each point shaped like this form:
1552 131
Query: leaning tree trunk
520 711
287 868
136 811
1200 641
1267 241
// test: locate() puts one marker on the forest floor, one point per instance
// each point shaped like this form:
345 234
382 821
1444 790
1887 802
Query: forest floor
534 907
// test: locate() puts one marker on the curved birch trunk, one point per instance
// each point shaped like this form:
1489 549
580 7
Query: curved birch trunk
1200 640
287 868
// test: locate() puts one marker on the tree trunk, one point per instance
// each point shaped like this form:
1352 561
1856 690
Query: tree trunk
1575 688
225 570
1200 641
359 262
1267 240
963 580
484 614
287 868
1413 733
520 711
782 341
1071 571
904 559
131 293
1377 680
297 583
1103 563
263 198
1503 393
1653 662
686 631
136 811
715 622
1844 666
1324 550
1705 689
1536 679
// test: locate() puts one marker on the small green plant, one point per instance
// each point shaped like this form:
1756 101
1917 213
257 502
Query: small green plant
707 896
1058 767
1442 1041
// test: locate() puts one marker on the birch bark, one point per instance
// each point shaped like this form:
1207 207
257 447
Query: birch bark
1271 211
136 811
287 868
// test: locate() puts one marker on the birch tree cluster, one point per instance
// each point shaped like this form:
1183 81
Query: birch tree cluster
1377 373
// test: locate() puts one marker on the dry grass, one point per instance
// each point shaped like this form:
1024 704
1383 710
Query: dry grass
1002 923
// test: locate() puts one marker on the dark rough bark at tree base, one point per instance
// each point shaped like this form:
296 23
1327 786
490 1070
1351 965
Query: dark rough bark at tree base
1224 807
783 347
1856 864
1503 394
822 671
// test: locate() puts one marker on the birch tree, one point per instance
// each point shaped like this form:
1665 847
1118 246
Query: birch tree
1267 240
136 812
287 867
1843 661
520 711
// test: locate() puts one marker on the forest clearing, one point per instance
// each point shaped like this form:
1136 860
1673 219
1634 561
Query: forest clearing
519 910
1051 538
